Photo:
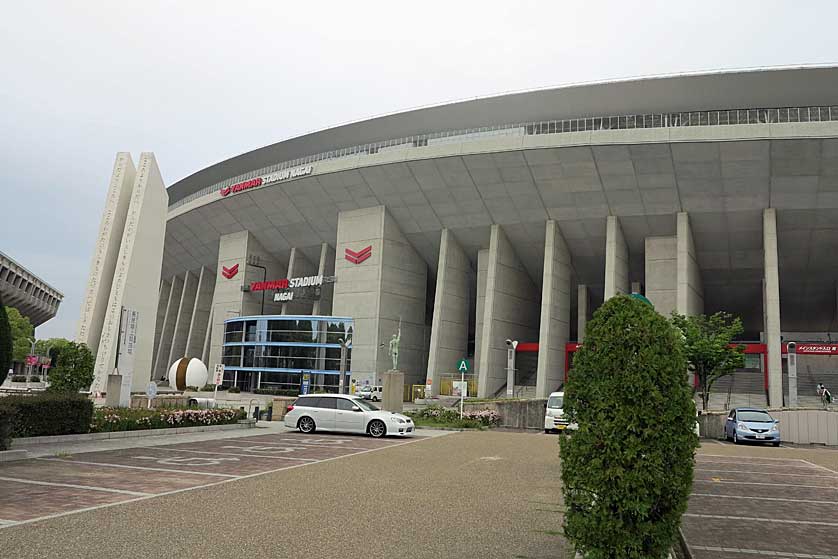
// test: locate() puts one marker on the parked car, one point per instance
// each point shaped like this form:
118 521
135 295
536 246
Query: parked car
373 393
554 419
752 424
341 412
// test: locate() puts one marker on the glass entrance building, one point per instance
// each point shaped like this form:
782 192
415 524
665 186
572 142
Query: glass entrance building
276 351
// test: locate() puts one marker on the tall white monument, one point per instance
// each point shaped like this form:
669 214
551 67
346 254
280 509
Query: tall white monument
120 306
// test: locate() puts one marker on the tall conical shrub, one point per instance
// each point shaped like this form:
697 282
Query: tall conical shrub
627 471
5 343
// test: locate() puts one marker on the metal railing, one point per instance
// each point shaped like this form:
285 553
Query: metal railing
582 124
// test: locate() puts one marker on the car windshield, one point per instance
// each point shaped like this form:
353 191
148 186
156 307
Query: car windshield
755 416
364 405
365 389
555 402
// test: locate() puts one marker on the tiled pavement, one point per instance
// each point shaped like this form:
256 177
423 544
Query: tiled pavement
54 485
757 506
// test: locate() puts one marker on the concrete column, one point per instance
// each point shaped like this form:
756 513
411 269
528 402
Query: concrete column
387 285
480 303
771 307
162 303
136 283
690 288
449 326
184 317
555 312
161 356
240 255
510 310
199 321
661 255
583 302
325 268
616 259
298 266
104 260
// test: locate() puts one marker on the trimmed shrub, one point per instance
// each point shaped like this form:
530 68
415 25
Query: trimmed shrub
234 390
7 416
49 414
277 391
135 419
208 388
437 415
627 472
18 378
33 378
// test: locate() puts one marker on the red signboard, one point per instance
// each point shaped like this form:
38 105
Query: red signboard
252 183
814 349
266 285
31 359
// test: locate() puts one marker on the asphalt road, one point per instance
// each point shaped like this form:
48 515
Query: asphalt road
473 494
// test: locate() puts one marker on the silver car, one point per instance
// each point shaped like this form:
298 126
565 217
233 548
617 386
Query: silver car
753 425
339 412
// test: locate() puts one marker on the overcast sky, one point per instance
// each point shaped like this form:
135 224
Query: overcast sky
197 82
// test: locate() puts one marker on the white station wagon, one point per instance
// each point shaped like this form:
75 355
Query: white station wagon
339 412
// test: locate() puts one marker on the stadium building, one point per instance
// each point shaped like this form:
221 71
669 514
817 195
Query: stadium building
461 226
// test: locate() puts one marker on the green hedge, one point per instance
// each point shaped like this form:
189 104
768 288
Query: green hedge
48 414
277 391
627 471
136 419
6 417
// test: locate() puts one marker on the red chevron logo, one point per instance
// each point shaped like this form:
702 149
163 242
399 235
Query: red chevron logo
230 272
360 256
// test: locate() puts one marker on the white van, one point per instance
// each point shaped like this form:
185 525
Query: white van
374 393
554 418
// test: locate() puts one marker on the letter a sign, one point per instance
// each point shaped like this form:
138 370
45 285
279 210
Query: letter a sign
462 366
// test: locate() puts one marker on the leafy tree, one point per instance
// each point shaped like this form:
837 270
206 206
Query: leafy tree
627 471
709 351
22 331
6 344
74 370
51 348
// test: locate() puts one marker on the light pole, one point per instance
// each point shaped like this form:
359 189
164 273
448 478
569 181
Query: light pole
510 367
343 346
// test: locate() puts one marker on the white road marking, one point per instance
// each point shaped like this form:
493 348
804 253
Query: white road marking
296 442
74 486
188 460
763 498
272 449
768 484
835 477
109 465
757 519
212 484
236 454
762 552
7 522
818 466
738 458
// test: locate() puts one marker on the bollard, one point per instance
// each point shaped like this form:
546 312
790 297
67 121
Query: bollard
256 413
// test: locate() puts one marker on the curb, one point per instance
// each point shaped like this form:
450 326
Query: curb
13 455
29 441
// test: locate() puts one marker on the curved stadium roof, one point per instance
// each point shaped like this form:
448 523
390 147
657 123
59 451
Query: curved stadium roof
756 88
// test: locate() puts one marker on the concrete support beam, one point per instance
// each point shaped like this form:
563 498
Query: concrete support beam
325 268
661 255
167 331
390 284
298 266
510 310
583 301
690 287
186 307
162 304
104 260
771 307
616 259
554 328
449 327
199 322
136 283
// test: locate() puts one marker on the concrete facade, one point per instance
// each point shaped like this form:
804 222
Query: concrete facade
554 330
185 309
387 288
105 253
690 291
583 302
136 283
299 266
167 330
23 290
449 329
662 273
616 259
326 267
511 310
199 323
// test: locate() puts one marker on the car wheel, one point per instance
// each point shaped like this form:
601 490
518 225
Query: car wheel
547 431
776 444
306 424
735 438
377 428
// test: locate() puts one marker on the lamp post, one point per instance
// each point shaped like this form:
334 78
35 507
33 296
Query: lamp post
510 367
342 381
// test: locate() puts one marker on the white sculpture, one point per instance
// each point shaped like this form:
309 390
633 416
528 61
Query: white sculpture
188 371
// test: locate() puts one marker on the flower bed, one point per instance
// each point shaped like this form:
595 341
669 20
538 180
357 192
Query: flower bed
437 416
133 419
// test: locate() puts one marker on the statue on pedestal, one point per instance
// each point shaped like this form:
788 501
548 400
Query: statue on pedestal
394 346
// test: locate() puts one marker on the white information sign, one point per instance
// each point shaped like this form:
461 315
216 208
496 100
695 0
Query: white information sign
218 376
